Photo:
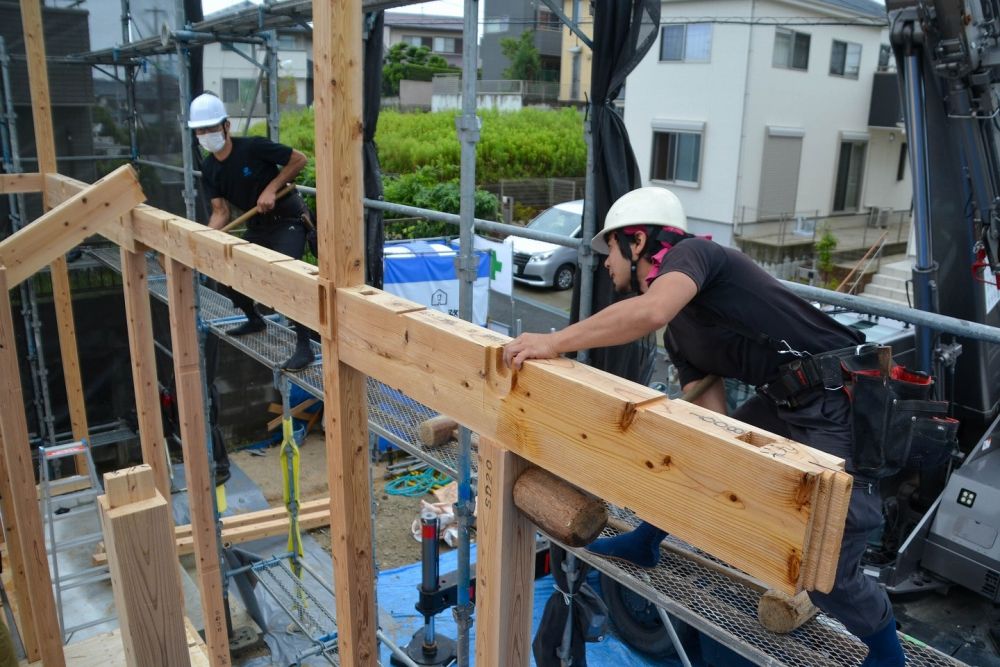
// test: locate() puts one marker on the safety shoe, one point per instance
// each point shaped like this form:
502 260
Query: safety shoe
302 357
641 547
251 326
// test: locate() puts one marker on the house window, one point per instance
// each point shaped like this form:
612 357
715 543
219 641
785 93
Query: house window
850 175
287 41
447 45
791 49
547 20
676 157
845 59
230 91
884 57
690 42
496 24
240 91
418 40
901 165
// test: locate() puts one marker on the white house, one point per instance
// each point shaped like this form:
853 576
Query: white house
753 110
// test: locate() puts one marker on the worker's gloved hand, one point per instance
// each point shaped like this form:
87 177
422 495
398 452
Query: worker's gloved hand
641 547
883 647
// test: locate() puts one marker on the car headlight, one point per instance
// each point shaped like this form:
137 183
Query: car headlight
542 256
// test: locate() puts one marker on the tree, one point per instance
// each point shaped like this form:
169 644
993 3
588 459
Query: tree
404 61
525 61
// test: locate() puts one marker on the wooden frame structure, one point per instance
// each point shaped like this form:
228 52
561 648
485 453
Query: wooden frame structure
767 505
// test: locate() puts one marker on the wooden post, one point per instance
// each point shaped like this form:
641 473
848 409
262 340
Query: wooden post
339 181
201 495
505 562
41 113
140 340
138 533
16 562
24 497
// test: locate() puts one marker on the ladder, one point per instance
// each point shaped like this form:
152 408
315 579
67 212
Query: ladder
80 506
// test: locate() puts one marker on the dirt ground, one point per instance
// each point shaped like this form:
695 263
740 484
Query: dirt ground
394 545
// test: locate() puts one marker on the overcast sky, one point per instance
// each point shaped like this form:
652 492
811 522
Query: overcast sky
442 7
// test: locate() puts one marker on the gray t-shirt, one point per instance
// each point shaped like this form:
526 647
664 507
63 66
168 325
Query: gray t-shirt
733 290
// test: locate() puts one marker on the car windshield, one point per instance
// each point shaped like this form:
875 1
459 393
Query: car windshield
556 221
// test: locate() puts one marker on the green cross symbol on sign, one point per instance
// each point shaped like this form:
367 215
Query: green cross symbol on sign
496 266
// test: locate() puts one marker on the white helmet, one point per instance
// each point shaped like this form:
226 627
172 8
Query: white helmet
206 110
644 206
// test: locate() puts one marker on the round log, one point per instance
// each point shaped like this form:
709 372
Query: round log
558 508
782 613
436 431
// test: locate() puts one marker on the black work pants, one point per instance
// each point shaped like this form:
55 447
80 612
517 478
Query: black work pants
824 423
284 235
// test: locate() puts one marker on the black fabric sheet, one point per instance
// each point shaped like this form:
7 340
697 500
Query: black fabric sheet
374 224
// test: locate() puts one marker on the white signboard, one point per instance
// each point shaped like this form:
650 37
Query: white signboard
992 293
501 264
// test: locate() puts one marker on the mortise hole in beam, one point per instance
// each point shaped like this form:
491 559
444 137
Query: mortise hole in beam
755 439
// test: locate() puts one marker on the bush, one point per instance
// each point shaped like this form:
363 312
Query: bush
425 189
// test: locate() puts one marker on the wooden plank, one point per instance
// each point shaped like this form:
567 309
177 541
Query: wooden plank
70 354
17 457
193 432
238 533
14 565
106 649
11 184
338 59
505 565
69 223
144 571
139 317
673 462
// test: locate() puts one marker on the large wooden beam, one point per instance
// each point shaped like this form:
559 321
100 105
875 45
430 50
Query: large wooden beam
337 57
12 184
505 562
62 228
27 518
685 469
201 494
145 580
139 317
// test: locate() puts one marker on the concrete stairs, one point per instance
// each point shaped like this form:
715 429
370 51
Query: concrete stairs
890 282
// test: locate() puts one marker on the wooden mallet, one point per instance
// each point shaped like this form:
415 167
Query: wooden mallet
288 189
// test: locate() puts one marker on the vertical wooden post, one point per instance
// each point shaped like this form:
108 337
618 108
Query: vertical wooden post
16 562
24 495
139 535
190 409
140 340
504 562
41 114
338 61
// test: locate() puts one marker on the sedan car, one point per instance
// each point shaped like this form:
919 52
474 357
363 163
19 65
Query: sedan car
547 264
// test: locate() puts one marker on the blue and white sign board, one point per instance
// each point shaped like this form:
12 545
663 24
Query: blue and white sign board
501 264
424 272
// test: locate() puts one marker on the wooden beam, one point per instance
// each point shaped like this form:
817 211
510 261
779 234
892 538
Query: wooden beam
670 461
193 432
139 317
38 82
338 59
12 184
505 562
15 563
240 528
144 576
26 515
62 228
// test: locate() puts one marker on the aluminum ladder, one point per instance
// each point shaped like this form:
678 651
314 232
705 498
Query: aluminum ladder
80 506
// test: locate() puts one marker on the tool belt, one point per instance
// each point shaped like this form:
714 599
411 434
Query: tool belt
891 406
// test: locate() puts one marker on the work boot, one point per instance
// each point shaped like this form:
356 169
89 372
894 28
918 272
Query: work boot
641 547
254 324
303 355
883 647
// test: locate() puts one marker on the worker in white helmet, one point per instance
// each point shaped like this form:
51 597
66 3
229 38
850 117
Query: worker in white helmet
248 172
729 318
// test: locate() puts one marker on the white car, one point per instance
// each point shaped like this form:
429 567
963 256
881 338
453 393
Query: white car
547 264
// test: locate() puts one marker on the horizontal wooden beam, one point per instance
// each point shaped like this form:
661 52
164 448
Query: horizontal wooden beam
12 184
54 233
268 277
765 504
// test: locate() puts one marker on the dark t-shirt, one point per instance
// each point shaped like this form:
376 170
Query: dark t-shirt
731 288
246 171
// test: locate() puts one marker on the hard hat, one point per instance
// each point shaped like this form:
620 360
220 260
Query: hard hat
206 110
644 206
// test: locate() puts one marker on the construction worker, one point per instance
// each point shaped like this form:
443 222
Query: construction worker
729 318
248 172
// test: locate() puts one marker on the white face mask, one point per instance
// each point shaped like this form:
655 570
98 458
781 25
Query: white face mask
213 142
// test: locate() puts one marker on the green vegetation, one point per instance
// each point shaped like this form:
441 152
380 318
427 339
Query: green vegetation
525 61
825 246
425 189
414 63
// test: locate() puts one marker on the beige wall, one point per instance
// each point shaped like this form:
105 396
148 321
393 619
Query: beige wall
570 42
